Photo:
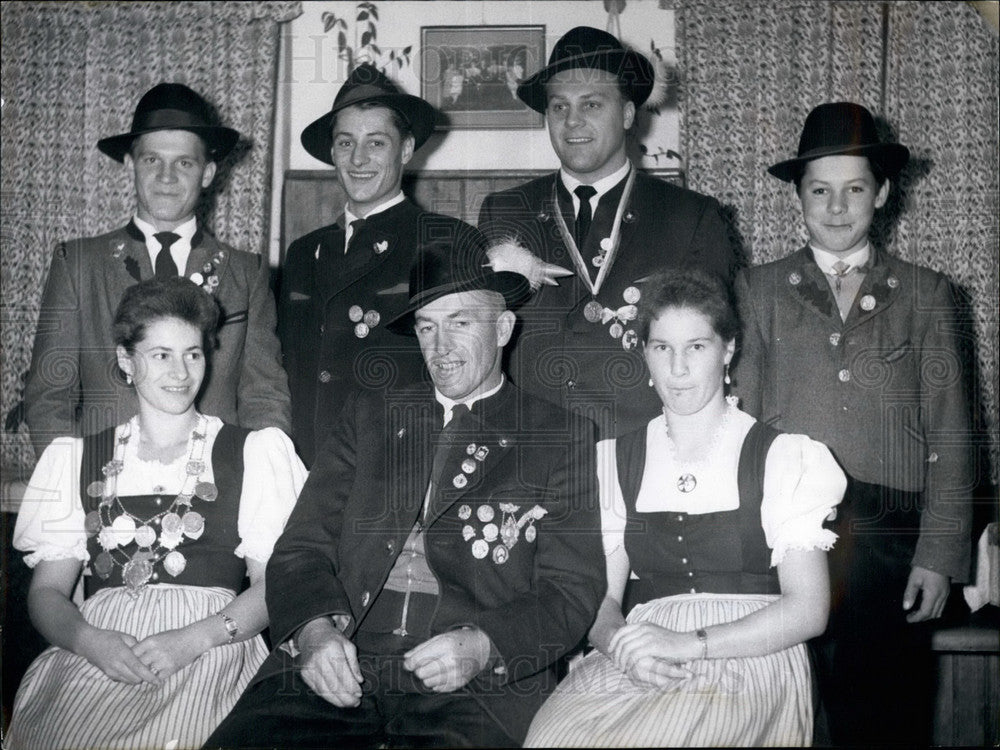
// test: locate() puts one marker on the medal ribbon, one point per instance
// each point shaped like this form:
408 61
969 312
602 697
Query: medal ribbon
567 237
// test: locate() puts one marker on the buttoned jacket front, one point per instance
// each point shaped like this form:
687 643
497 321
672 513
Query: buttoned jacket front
332 310
535 600
75 387
557 354
885 389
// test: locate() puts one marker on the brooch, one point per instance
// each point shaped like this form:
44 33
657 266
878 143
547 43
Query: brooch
207 278
498 539
618 318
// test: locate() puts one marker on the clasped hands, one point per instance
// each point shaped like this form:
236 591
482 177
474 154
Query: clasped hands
124 658
652 655
443 663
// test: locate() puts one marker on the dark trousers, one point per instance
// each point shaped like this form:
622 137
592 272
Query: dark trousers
396 710
874 668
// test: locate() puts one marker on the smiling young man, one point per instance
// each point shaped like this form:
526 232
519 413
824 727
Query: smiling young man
341 282
74 387
577 346
858 349
445 551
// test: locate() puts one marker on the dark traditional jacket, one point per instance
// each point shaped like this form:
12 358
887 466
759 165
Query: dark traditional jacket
557 353
366 490
74 386
884 389
322 293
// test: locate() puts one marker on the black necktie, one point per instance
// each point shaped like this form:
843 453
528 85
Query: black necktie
165 266
357 226
585 215
446 439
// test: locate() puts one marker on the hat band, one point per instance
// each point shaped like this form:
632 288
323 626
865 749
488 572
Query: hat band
163 119
468 285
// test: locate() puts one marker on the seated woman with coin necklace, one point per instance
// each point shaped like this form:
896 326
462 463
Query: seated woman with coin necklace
170 511
715 555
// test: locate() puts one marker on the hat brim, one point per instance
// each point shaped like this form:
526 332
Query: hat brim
317 138
219 141
531 90
891 158
514 288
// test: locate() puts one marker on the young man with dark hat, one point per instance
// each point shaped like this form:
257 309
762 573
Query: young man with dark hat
858 349
611 224
74 385
342 282
445 551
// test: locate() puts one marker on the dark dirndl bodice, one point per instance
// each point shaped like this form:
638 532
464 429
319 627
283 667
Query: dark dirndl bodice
680 553
209 559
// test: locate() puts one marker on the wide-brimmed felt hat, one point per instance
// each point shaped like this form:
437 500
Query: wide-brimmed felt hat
458 264
366 83
589 48
173 106
842 128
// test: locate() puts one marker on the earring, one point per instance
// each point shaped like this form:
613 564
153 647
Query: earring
650 382
128 378
726 379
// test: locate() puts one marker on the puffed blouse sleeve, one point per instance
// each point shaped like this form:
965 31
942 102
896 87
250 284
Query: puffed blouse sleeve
273 476
802 485
50 522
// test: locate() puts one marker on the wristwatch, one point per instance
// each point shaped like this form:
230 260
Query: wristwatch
231 627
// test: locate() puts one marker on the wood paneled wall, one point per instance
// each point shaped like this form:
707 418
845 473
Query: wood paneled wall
312 198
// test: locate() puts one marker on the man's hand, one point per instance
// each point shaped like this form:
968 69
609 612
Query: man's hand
935 588
330 663
448 661
111 652
652 655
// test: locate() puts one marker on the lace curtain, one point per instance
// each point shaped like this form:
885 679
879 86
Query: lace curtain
750 73
72 73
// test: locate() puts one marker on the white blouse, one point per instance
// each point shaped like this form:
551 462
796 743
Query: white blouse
50 524
802 484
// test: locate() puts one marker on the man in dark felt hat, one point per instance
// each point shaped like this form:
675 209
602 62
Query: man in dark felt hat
74 385
856 348
608 225
342 282
443 554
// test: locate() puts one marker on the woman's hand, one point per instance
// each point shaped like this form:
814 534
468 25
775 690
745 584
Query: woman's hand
111 652
171 650
652 655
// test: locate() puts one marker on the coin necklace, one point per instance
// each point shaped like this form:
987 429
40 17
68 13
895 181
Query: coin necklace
175 522
687 481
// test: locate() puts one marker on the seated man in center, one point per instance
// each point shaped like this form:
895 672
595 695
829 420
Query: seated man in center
445 551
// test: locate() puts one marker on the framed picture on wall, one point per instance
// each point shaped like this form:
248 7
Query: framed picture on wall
470 74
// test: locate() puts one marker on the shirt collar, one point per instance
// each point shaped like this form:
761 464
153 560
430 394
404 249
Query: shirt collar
185 231
450 404
602 186
825 260
349 217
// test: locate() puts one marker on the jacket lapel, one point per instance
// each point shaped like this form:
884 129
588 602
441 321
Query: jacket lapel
809 287
878 291
485 441
127 261
378 240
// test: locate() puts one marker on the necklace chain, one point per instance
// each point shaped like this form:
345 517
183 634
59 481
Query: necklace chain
687 480
175 523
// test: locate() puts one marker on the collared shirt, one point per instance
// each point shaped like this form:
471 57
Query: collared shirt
179 251
602 186
825 260
350 217
449 405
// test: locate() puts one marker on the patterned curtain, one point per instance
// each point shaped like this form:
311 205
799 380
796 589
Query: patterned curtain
751 72
72 73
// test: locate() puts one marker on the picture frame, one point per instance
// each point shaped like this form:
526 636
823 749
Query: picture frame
470 74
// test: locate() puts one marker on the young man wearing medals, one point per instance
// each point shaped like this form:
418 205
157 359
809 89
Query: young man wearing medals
445 552
613 226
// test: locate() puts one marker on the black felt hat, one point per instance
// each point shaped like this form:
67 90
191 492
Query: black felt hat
444 267
173 106
366 83
586 47
842 128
